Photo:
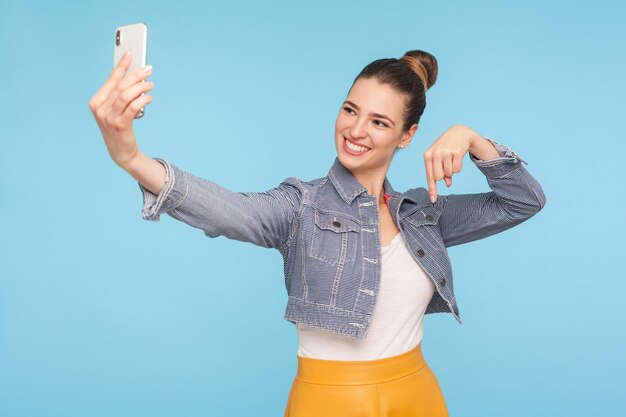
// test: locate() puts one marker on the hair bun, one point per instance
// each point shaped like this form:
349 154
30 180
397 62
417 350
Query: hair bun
423 64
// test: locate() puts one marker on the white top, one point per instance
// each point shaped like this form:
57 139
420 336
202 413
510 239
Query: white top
404 293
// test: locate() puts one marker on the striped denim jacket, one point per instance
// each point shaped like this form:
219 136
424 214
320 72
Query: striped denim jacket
327 231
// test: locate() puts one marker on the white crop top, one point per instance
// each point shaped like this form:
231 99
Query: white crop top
404 293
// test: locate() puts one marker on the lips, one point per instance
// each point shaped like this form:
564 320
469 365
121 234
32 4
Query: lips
353 148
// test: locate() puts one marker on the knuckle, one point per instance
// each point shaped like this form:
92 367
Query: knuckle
125 96
109 121
140 74
115 123
101 115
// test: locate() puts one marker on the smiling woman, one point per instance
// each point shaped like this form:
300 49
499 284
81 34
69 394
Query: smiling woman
367 138
363 263
382 112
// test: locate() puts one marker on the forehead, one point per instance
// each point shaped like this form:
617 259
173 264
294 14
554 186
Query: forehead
373 96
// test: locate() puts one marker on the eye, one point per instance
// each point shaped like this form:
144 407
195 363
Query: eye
348 109
382 124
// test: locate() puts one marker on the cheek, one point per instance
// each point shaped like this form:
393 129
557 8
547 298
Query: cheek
341 122
382 139
337 125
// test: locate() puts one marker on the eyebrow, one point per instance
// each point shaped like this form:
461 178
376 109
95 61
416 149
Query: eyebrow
380 116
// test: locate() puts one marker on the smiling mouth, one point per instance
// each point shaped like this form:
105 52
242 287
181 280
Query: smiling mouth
354 148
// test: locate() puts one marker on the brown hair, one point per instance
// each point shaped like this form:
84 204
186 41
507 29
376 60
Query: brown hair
412 74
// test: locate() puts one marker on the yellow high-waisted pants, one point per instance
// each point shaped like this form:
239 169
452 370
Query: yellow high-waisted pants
396 386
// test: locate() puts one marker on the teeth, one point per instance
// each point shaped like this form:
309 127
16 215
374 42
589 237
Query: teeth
355 148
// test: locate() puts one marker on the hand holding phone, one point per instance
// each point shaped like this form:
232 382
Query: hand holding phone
117 103
132 38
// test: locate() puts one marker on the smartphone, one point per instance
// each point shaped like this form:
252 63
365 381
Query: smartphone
133 38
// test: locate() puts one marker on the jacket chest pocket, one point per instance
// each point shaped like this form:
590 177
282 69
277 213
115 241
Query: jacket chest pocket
424 222
334 238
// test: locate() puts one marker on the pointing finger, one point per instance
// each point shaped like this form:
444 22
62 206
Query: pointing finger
430 179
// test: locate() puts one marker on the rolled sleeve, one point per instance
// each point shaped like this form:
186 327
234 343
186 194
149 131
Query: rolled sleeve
171 196
497 167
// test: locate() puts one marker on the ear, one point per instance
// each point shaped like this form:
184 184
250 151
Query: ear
408 135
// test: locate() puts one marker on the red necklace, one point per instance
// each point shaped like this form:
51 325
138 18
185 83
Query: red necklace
387 196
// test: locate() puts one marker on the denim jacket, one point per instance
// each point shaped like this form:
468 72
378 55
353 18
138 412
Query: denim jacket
327 231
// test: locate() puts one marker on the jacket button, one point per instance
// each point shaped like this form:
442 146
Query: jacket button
336 223
429 217
420 252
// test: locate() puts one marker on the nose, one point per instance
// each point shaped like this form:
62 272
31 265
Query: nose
357 129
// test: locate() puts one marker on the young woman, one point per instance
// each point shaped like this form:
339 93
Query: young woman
363 263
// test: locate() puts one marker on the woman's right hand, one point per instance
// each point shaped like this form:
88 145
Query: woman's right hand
114 106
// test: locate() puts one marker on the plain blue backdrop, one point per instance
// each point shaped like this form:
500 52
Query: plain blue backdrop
105 314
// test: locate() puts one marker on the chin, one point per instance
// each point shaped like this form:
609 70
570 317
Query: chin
352 164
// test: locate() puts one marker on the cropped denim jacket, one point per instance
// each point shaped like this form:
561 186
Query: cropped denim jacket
327 231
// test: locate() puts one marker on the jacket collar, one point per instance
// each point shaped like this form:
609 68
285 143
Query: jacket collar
348 187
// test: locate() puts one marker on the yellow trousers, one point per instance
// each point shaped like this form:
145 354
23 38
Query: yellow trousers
396 386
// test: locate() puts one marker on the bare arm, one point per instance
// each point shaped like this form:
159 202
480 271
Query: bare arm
149 172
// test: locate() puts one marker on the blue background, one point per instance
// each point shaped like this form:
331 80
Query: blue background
105 314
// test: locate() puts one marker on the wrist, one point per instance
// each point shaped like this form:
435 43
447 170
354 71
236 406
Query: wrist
128 162
475 140
483 149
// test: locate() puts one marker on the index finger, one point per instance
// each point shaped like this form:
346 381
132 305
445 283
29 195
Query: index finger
430 179
121 67
116 74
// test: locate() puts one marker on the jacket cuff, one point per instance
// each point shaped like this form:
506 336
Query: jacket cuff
171 196
497 167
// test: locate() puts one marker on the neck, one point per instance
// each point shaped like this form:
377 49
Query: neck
373 181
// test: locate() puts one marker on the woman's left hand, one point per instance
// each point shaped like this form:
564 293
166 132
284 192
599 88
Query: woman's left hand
445 156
